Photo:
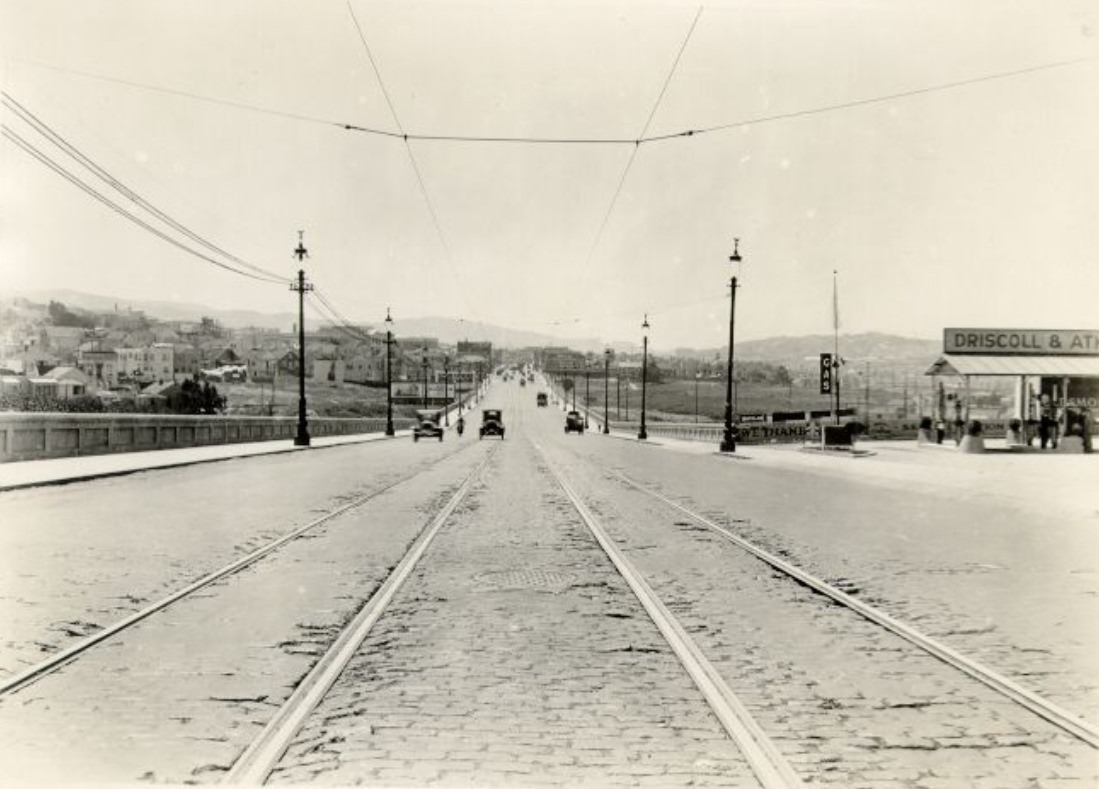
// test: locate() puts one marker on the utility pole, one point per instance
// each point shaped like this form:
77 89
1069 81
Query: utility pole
301 287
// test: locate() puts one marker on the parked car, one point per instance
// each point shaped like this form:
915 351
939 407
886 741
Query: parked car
543 400
492 423
427 428
574 420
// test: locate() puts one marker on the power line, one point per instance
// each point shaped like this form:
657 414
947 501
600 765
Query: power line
73 152
60 170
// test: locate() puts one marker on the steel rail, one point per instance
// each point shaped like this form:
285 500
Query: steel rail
54 662
1044 708
261 757
764 757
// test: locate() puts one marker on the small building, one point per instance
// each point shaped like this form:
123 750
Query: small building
61 383
1056 372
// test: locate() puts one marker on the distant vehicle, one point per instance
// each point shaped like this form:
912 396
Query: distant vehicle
492 423
427 429
574 421
542 399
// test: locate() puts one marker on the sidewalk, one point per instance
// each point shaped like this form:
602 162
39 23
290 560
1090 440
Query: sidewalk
31 473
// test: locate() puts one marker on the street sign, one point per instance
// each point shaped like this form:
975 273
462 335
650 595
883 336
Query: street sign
826 373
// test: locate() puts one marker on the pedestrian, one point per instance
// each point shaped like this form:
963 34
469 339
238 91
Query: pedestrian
1043 430
940 431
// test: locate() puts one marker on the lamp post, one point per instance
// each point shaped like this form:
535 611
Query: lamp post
728 441
642 434
446 390
389 431
302 437
587 391
424 360
606 391
458 385
697 376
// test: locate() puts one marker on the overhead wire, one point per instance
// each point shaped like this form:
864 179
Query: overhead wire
30 149
73 152
412 158
633 153
580 140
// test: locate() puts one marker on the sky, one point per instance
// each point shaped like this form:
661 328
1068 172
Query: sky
937 161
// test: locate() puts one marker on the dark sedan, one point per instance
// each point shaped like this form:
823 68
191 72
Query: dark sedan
427 429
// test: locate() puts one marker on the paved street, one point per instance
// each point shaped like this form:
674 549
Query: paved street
516 655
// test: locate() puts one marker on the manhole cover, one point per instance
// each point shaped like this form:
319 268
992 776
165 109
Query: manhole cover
525 579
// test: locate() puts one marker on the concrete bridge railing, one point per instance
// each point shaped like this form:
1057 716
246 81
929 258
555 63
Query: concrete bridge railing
39 436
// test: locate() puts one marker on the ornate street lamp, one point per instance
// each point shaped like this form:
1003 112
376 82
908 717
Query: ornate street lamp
642 434
388 374
446 390
587 391
424 352
698 374
301 287
606 391
728 441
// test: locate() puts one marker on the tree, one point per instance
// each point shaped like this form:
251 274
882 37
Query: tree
63 316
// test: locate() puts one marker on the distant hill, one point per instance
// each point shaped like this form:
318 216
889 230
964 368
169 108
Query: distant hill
794 352
803 352
165 310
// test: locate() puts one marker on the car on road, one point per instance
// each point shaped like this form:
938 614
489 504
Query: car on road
492 423
574 421
427 428
543 400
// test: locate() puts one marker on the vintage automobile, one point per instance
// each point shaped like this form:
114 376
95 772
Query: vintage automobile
427 428
492 423
574 421
543 400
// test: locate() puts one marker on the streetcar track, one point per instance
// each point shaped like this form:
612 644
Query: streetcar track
1052 713
263 754
764 757
61 658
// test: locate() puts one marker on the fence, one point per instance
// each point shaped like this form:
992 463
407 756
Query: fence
37 436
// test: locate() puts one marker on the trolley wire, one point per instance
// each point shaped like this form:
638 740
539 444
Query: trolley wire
577 140
633 153
411 158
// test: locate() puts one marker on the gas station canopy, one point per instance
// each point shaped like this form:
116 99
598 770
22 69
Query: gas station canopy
1051 366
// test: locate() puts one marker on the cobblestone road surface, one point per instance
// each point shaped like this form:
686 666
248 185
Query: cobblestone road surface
516 656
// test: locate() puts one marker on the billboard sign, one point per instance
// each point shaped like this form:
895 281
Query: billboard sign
1022 342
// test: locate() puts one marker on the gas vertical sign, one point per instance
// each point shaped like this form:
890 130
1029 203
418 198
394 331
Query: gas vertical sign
826 373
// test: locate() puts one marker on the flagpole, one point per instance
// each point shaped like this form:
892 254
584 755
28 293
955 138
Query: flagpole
836 361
